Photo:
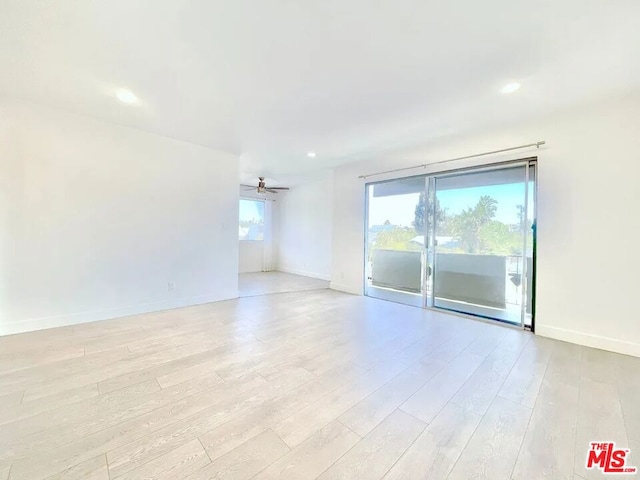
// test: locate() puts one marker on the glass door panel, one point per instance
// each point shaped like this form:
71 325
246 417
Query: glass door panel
395 240
480 241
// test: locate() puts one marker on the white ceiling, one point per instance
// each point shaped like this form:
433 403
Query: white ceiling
274 79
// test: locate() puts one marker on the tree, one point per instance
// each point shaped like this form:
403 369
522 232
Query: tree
398 238
467 225
419 221
496 238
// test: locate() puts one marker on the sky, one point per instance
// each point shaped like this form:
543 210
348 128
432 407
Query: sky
251 210
400 209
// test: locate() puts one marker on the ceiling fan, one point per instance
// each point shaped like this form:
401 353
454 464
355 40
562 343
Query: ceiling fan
262 187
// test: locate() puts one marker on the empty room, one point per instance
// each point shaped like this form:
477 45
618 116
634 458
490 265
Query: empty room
344 239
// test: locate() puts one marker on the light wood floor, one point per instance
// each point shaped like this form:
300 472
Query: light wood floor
264 283
307 385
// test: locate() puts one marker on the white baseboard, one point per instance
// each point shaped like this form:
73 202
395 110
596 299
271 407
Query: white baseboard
303 273
588 340
341 287
66 320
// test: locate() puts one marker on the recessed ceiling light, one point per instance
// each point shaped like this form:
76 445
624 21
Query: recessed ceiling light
311 154
510 87
126 96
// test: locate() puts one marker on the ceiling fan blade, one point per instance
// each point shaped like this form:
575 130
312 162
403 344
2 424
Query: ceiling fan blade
279 188
271 190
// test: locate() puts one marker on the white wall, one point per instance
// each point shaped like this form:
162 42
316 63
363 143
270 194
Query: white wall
304 228
588 221
251 256
96 220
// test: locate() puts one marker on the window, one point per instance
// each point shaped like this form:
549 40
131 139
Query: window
460 240
251 219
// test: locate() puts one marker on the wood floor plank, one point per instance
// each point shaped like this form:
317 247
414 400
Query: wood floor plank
523 383
117 368
45 404
600 418
304 423
200 414
71 374
366 415
92 469
244 380
376 453
436 450
451 348
52 429
245 461
422 347
226 437
427 402
515 339
254 284
175 465
313 456
159 369
393 345
493 448
481 388
187 373
120 434
101 406
548 447
9 402
38 357
487 342
599 366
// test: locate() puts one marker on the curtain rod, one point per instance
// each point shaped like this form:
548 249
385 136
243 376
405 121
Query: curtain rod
424 165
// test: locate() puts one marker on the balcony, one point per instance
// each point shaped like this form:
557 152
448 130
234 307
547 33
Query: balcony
484 285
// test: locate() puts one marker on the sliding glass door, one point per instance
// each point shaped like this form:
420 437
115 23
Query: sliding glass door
395 258
461 241
480 262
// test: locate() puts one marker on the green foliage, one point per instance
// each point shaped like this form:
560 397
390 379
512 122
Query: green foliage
474 229
248 223
496 238
398 238
420 214
467 225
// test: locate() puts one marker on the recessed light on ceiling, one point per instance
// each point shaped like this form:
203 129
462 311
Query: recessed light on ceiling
126 96
510 87
311 154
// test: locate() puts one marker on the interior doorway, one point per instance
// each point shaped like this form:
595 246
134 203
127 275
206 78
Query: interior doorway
253 234
256 275
460 240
